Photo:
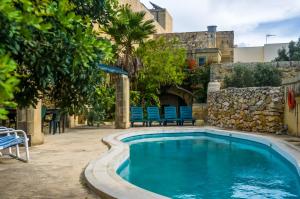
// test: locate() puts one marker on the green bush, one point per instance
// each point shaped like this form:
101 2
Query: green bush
267 75
259 76
200 79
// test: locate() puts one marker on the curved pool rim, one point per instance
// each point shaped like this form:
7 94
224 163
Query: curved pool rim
101 173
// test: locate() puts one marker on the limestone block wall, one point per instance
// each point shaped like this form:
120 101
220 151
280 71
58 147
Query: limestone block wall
200 111
193 41
291 116
219 71
225 42
163 17
248 109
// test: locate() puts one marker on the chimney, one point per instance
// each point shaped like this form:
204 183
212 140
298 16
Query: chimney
212 29
212 36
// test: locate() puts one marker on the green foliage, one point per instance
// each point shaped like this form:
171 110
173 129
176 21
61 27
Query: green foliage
12 22
127 29
267 75
140 98
260 75
200 78
242 76
102 104
293 54
55 49
162 65
135 98
282 55
8 83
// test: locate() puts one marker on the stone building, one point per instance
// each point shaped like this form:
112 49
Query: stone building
163 21
206 47
265 53
163 17
203 47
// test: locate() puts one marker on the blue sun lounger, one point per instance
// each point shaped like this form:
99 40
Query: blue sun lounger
153 115
13 138
136 115
171 115
186 115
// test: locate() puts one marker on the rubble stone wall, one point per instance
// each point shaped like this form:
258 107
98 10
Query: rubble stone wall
257 109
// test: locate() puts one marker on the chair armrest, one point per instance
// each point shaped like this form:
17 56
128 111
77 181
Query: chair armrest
16 132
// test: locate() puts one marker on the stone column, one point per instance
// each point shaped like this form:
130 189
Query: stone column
72 121
30 120
213 87
122 102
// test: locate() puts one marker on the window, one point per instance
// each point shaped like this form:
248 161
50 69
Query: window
202 61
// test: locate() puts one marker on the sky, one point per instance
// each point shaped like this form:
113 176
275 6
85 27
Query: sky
251 20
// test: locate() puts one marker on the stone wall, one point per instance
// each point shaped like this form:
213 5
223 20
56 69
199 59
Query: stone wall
291 116
193 41
248 109
163 17
225 42
200 111
219 71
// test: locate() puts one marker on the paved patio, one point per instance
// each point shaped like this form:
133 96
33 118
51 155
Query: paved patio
56 167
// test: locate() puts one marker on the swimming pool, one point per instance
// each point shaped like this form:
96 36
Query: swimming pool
197 164
204 166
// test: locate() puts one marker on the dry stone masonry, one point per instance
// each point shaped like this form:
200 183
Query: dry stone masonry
248 109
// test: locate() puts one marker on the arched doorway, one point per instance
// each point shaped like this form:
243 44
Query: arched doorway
176 96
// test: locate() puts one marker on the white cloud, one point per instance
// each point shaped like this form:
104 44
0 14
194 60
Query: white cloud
242 16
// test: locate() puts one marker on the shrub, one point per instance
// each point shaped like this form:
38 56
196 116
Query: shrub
200 78
242 76
267 75
259 76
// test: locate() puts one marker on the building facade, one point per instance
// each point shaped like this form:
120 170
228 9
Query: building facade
266 53
206 47
163 21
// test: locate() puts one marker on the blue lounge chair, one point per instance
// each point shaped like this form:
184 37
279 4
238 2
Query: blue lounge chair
136 115
171 115
153 115
186 115
13 138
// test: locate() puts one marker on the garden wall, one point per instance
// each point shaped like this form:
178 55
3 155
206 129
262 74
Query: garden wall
219 71
291 116
248 109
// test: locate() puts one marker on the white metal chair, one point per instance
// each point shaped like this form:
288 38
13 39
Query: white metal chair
13 138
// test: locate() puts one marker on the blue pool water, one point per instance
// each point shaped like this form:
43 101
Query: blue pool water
209 167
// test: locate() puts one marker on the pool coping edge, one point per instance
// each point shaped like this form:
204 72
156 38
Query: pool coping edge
101 176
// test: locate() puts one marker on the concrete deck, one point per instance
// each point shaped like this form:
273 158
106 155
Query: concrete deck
56 167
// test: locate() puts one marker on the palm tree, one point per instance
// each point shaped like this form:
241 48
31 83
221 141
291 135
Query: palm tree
128 29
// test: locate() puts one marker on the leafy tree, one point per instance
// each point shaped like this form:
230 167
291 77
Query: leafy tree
200 78
8 83
242 76
102 104
282 55
260 75
12 24
162 65
266 75
128 29
55 49
293 54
